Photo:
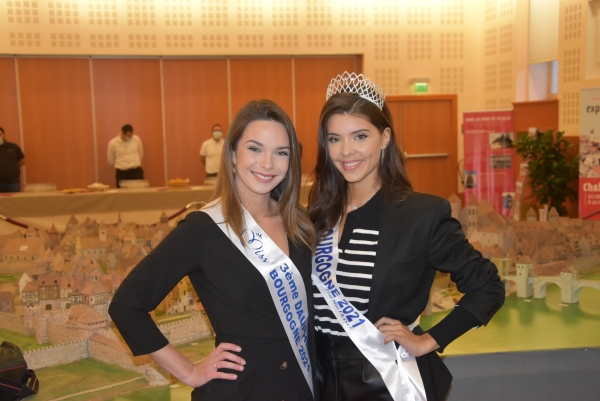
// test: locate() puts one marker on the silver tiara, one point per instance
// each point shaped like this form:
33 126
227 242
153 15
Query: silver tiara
363 87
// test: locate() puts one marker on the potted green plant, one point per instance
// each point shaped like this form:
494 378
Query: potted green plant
552 173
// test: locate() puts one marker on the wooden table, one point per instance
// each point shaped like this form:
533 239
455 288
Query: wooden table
114 200
142 206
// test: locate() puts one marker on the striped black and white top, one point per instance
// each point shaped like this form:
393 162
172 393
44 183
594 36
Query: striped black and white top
357 250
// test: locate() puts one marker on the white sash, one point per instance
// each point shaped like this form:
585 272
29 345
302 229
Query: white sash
283 279
402 379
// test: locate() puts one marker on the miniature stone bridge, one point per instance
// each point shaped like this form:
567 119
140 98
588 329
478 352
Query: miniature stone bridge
569 283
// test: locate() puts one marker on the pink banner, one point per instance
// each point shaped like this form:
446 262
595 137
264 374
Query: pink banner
589 154
490 158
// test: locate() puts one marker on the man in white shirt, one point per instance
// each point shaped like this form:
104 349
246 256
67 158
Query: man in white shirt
125 153
210 153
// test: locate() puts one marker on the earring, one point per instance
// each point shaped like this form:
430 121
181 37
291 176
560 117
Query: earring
233 168
381 158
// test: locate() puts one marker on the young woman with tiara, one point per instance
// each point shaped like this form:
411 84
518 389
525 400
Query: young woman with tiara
247 255
379 245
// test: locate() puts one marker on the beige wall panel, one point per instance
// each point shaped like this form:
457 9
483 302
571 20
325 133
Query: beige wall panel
312 75
543 30
195 95
267 78
576 20
57 120
127 91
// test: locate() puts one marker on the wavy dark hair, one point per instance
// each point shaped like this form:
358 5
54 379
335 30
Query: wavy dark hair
296 222
329 194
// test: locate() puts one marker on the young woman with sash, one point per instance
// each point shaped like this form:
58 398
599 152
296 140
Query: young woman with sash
379 246
247 255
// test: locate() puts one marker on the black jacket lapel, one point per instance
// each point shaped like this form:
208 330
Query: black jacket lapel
390 219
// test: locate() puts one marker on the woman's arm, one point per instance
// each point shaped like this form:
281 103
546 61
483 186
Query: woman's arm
474 275
198 374
151 280
146 286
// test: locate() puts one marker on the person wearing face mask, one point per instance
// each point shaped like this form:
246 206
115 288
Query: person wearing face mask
125 153
11 160
210 154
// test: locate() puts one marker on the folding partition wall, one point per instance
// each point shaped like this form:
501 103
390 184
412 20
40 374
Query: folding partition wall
64 110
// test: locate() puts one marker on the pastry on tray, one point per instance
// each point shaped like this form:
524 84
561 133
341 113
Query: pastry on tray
98 186
178 182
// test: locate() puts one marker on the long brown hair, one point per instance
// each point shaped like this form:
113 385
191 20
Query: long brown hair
329 194
296 222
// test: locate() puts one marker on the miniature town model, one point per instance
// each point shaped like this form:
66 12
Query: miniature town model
533 253
529 254
67 280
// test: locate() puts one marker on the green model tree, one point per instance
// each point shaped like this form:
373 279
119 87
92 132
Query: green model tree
552 174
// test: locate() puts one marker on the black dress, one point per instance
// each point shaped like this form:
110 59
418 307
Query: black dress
236 299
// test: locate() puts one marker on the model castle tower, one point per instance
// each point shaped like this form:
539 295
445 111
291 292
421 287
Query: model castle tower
455 205
524 273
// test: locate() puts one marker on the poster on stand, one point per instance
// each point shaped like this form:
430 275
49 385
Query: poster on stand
490 158
589 154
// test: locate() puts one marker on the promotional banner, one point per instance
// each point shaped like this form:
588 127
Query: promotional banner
589 155
490 158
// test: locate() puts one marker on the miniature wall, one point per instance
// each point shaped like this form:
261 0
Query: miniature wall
41 321
187 330
40 327
583 264
72 347
100 348
14 323
114 353
57 354
60 333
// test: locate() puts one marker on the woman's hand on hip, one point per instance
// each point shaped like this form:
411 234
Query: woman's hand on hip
416 345
219 358
198 374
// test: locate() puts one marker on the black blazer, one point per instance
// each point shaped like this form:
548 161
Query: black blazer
237 301
417 237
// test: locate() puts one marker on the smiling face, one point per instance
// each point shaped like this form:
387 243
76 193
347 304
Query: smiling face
261 159
354 147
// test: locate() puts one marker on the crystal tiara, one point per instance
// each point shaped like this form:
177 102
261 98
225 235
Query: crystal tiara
363 87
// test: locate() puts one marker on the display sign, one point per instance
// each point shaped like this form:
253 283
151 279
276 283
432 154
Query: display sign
490 158
589 154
